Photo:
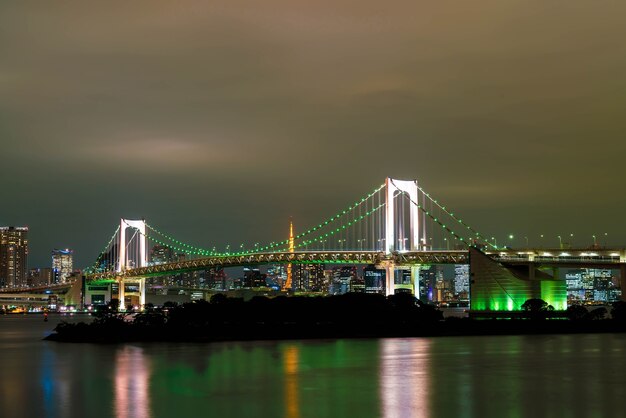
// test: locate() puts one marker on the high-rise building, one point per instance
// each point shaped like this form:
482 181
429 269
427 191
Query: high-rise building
375 280
592 285
461 280
13 256
39 277
252 277
161 254
342 278
308 277
62 265
428 282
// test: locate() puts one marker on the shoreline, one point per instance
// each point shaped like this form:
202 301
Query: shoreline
126 333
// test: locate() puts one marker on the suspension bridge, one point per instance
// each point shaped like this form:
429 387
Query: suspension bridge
397 226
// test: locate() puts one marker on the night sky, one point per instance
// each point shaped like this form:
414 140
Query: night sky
218 120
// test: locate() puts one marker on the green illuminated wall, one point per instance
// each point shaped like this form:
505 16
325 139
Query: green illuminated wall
555 293
494 287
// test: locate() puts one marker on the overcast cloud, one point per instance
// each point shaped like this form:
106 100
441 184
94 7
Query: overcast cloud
218 120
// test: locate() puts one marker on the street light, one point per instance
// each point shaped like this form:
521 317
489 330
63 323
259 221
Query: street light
447 243
595 242
526 238
560 242
495 242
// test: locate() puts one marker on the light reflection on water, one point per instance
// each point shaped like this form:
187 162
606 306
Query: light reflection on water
132 380
474 377
404 379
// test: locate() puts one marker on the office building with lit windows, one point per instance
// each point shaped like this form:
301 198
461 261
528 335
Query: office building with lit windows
62 265
13 256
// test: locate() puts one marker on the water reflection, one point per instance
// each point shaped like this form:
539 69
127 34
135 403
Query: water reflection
132 377
405 377
568 376
291 381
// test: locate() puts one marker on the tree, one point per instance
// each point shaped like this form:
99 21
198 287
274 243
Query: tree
598 313
218 298
576 312
537 308
619 311
535 305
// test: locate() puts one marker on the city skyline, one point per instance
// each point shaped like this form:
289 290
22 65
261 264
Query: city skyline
222 122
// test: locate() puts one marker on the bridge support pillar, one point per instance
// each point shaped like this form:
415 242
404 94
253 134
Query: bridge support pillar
120 294
415 280
622 280
142 293
390 274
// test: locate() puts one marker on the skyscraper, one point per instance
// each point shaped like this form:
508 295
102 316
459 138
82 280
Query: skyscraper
461 280
161 254
13 256
39 276
62 265
375 280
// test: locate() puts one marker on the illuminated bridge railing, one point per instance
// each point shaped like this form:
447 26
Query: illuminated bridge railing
300 257
35 289
582 257
580 260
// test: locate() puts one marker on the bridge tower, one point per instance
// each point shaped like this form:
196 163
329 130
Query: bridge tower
394 188
142 261
289 284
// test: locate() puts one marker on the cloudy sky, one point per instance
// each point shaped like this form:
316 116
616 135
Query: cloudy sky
217 120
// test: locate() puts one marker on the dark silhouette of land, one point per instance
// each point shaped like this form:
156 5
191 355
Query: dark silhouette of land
353 315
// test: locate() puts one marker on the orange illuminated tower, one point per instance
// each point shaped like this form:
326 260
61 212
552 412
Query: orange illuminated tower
291 249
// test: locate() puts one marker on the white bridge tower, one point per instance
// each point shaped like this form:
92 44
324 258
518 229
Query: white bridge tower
140 261
396 188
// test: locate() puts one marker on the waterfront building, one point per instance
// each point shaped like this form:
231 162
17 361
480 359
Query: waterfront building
496 287
62 265
13 256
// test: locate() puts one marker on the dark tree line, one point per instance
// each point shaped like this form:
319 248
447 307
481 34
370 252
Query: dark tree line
223 318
